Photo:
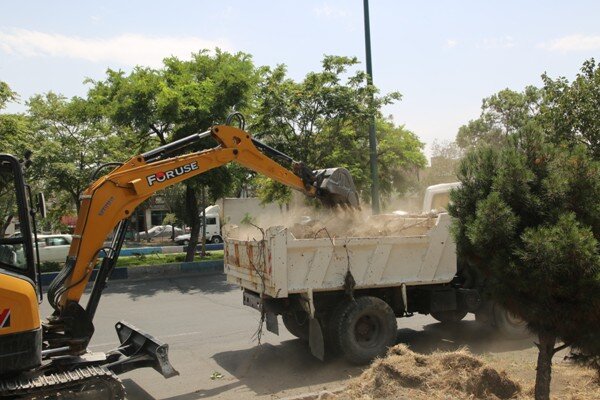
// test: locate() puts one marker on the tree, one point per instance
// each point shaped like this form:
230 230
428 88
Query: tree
445 158
571 110
71 143
15 129
182 98
323 122
6 94
502 114
13 136
527 217
528 221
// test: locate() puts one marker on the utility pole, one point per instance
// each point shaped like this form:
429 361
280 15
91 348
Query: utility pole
372 137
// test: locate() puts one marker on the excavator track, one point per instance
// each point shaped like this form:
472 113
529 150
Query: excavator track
79 384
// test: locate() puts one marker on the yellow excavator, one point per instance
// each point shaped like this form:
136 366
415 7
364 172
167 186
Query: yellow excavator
50 358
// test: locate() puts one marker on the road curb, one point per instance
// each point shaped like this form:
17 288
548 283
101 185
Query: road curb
145 250
153 271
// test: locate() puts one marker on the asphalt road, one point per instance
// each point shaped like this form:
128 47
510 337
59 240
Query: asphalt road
209 331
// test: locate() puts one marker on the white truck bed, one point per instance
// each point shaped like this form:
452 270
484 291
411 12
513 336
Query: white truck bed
286 265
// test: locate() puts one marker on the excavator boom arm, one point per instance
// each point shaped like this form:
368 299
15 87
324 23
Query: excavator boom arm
115 196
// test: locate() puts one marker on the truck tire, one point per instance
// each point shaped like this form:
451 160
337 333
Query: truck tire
364 329
216 240
448 317
508 324
296 322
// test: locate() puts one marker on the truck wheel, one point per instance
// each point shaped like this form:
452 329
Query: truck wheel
364 329
447 317
296 322
508 324
216 239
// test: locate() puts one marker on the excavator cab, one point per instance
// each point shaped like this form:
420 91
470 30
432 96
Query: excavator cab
29 366
20 331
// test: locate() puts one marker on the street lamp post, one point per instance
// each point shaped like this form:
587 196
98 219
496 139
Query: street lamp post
372 137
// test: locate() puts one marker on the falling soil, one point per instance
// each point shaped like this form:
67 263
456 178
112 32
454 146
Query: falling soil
404 374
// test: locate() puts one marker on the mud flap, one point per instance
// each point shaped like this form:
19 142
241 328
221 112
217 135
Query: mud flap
139 349
315 339
272 324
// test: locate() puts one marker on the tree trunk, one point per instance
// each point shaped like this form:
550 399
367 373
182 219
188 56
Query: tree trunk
193 215
5 225
544 365
203 247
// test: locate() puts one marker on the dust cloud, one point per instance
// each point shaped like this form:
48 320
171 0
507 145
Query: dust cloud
312 224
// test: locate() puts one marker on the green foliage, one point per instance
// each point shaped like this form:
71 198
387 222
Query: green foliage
566 111
170 219
174 197
502 114
571 110
182 98
528 212
51 266
177 100
141 260
445 158
323 121
248 219
71 142
6 94
155 259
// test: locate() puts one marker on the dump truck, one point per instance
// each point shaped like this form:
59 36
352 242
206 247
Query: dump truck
345 293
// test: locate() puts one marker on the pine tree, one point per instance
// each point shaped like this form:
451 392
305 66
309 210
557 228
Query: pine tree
527 218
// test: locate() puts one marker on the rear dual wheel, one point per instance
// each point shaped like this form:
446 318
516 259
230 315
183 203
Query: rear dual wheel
296 322
449 317
363 329
509 324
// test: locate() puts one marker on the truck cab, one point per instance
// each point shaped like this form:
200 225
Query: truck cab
212 220
437 197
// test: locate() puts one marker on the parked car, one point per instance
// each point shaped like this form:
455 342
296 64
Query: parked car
160 232
54 248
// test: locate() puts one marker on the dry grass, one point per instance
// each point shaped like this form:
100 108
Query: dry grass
441 375
404 374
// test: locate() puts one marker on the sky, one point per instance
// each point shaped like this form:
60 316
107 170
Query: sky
443 56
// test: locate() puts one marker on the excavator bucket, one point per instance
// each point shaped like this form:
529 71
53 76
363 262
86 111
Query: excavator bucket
336 187
139 349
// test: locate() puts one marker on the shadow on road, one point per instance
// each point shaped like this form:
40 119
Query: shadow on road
135 392
190 283
269 369
272 369
276 368
478 338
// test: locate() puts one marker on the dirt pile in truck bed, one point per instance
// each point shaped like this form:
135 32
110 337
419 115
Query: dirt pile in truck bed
403 374
337 225
361 225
